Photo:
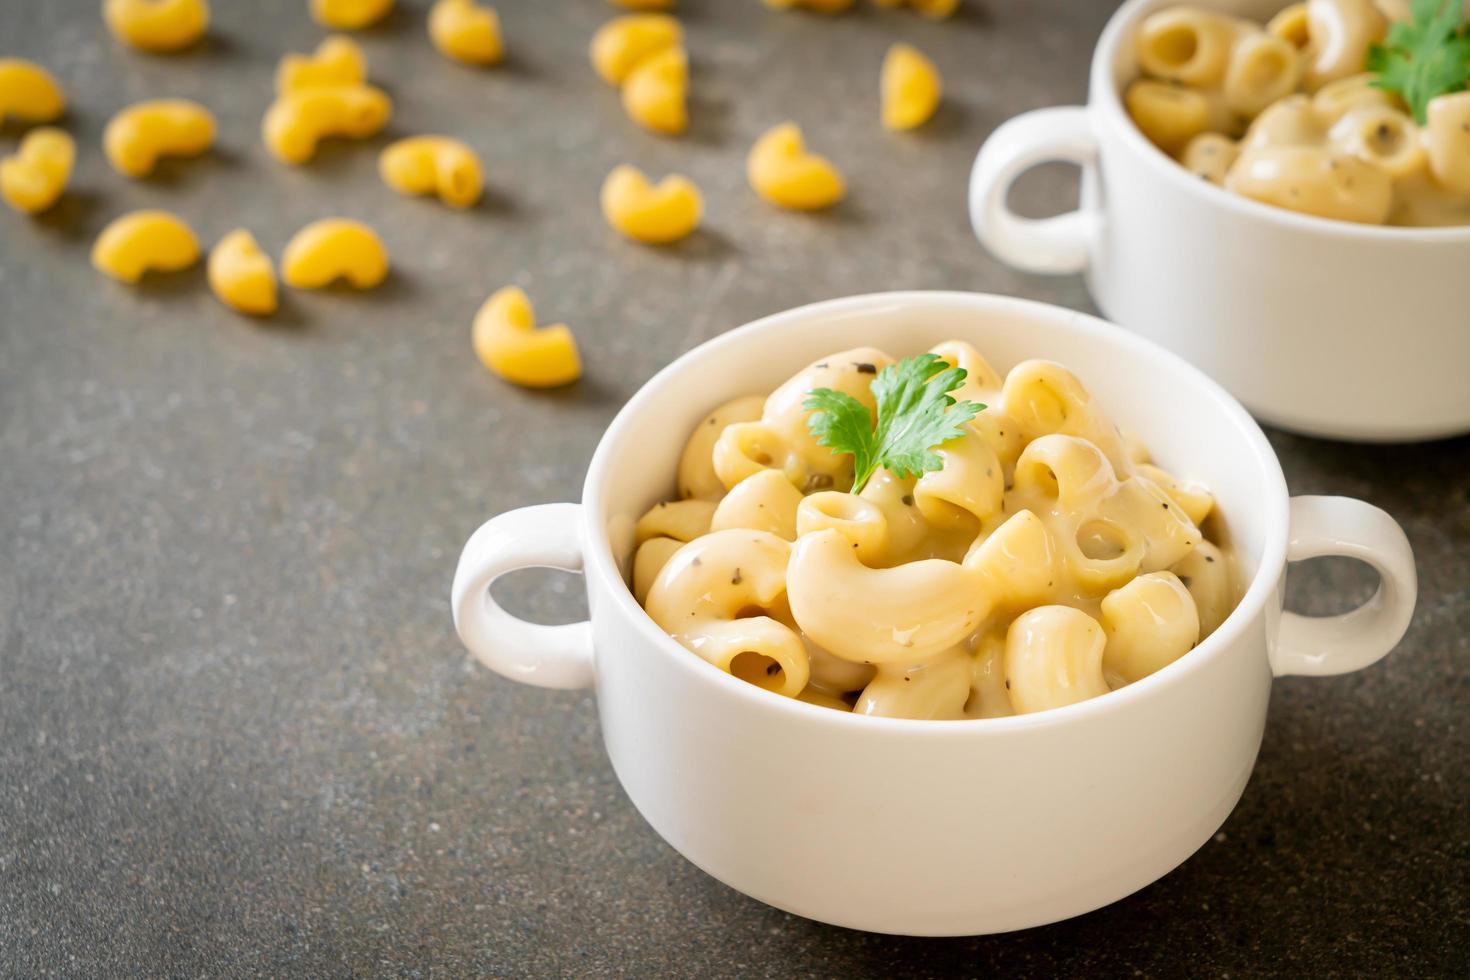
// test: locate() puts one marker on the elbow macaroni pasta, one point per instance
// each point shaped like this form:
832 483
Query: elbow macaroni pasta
621 44
819 6
28 92
157 25
298 121
33 179
1285 114
782 170
508 342
933 9
654 93
144 241
1048 561
466 32
331 249
645 212
910 86
336 61
349 15
137 136
241 275
433 165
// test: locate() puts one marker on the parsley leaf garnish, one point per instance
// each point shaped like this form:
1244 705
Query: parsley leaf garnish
915 414
1425 56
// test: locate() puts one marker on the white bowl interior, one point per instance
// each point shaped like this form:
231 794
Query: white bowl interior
1193 427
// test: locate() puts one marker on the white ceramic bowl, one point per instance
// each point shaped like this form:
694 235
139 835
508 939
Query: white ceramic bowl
934 827
1324 327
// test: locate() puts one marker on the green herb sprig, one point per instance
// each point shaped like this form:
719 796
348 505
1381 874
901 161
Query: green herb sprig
1425 56
915 414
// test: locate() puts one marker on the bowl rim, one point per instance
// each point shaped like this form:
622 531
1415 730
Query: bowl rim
600 564
1104 96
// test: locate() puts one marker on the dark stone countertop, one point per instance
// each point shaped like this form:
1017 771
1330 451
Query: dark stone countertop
237 734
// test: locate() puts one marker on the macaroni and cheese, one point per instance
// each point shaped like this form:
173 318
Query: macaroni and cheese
1045 562
1303 113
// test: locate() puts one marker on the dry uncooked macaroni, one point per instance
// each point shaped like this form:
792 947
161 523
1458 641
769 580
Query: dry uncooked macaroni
332 249
910 87
623 42
144 241
1285 114
508 342
1047 562
28 92
297 121
820 6
349 15
645 212
137 136
241 274
32 180
655 91
337 61
433 165
157 25
936 9
466 31
782 170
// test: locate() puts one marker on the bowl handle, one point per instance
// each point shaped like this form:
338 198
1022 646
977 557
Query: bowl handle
544 536
1056 245
1344 527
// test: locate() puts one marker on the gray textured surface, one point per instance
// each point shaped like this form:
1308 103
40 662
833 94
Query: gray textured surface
237 735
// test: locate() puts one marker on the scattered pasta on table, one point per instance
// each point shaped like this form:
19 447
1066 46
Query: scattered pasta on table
334 249
508 342
34 178
144 241
139 135
241 275
654 213
159 26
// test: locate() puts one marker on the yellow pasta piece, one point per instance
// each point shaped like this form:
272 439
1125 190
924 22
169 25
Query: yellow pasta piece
656 214
142 241
137 136
337 61
32 180
623 42
295 123
1314 180
643 4
349 15
682 520
466 32
654 94
933 9
433 165
157 25
910 87
331 249
820 6
508 342
241 275
1169 115
781 170
1292 26
648 561
1210 155
28 92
